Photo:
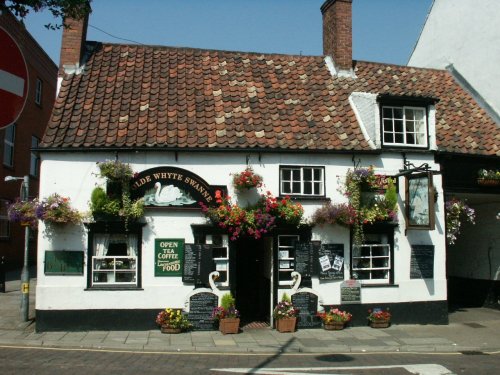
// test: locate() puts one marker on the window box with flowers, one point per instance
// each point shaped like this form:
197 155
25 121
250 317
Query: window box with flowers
172 321
334 319
285 315
378 318
489 177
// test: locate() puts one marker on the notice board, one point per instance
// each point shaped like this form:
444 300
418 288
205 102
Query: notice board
330 261
63 262
169 254
422 262
198 263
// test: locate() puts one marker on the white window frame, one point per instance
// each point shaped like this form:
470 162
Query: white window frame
110 266
221 263
424 134
4 218
301 181
286 254
34 159
367 266
9 145
38 91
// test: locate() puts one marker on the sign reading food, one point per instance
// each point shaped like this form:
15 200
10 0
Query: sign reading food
168 257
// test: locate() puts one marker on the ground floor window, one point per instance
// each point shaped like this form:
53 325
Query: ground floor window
114 255
372 262
220 254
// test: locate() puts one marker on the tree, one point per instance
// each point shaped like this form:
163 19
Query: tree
76 9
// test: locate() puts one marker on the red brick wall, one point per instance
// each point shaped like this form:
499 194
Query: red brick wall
32 122
337 32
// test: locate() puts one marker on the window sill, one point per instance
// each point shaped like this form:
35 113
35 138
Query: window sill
113 288
379 285
306 198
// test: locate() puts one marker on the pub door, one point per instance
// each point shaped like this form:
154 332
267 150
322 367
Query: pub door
251 281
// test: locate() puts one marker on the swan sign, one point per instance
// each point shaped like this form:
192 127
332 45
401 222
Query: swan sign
13 80
174 187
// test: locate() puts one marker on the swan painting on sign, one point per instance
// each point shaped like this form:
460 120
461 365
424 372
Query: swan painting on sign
169 195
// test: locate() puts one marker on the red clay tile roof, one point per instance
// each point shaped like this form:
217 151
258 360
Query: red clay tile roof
161 97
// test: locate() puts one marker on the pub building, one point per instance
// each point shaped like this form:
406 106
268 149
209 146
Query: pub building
186 121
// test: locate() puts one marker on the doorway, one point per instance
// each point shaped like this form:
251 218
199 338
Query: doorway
251 284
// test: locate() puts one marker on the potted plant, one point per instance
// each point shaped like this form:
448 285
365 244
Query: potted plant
285 315
23 212
56 209
172 321
247 179
334 319
378 318
227 315
488 177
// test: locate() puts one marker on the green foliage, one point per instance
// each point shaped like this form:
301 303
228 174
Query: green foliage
115 171
227 301
285 298
76 9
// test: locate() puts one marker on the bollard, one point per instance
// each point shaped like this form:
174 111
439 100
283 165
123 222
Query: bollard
2 274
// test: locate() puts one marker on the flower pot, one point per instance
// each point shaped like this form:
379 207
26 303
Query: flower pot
334 326
380 324
488 182
286 324
168 329
229 325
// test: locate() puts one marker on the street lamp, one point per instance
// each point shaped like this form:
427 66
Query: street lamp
25 275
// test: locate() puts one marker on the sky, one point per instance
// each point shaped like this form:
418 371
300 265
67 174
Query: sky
383 30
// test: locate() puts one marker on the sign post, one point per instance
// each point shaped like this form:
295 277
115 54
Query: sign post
13 80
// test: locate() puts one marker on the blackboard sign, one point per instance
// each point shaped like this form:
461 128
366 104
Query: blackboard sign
201 306
329 258
168 256
304 257
61 262
198 263
307 303
350 292
422 262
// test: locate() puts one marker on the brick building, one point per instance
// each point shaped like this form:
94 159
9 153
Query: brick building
17 139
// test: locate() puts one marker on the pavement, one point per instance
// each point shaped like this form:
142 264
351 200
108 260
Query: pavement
470 331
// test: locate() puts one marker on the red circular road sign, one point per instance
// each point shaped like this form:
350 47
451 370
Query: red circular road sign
13 80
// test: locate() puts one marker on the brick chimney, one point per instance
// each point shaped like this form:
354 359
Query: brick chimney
73 44
337 32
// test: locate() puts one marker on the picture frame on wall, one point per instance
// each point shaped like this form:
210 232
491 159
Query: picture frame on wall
419 201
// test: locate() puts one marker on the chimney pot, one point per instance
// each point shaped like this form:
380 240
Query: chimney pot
337 32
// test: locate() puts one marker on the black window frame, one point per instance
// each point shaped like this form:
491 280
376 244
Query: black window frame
301 168
7 145
34 158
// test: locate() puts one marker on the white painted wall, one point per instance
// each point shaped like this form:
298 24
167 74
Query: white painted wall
465 33
75 175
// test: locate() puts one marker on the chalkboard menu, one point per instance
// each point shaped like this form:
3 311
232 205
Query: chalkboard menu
304 257
201 306
330 261
422 262
198 263
307 303
350 292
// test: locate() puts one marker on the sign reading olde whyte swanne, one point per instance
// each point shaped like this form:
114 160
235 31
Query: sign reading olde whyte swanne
168 256
174 187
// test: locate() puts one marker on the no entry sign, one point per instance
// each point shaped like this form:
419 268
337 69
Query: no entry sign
13 80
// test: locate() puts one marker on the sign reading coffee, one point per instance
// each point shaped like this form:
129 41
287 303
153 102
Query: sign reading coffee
174 187
168 257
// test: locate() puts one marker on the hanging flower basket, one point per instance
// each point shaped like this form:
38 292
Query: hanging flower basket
247 179
23 212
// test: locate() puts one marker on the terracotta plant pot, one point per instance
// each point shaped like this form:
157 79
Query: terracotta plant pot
380 324
286 324
488 182
168 329
334 326
229 325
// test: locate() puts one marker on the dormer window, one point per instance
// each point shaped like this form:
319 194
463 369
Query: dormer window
404 126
